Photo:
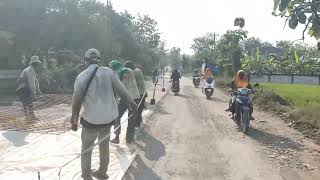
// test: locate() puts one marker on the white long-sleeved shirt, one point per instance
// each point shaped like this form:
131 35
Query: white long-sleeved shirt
30 76
100 106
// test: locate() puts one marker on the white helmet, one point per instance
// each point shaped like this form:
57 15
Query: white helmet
92 56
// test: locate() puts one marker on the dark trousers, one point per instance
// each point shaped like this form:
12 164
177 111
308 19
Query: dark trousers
122 108
27 103
140 109
232 106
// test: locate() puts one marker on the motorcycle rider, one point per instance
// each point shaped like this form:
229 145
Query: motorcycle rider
239 81
208 74
195 73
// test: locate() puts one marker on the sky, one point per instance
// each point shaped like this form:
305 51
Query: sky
180 21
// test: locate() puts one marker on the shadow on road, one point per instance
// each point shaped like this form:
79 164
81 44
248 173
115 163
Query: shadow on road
160 109
17 138
140 171
273 140
153 148
214 98
183 96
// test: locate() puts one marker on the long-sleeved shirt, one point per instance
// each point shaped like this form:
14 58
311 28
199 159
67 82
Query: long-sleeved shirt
130 82
30 77
100 106
140 80
175 76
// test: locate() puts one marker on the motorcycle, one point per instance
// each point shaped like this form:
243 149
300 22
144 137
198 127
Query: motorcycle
175 87
196 81
242 108
208 87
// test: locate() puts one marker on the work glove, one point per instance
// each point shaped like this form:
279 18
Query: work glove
133 107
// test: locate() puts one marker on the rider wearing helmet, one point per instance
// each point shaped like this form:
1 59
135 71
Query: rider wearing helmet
239 81
195 73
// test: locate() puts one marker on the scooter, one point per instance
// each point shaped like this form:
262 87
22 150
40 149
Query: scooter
196 81
175 87
208 87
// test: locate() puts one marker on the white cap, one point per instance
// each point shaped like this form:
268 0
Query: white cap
35 59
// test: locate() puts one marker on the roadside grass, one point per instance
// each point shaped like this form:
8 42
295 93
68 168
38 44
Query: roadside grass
297 104
296 94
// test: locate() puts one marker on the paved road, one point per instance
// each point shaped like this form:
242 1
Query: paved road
191 138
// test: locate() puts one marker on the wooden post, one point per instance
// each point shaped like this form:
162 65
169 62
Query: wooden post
292 80
269 77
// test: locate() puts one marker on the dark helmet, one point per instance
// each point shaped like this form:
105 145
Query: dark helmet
130 65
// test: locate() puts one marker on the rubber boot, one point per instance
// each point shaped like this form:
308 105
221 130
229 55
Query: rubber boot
116 140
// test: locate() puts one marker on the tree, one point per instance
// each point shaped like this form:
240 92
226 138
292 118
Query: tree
239 22
62 30
204 47
175 58
305 12
229 50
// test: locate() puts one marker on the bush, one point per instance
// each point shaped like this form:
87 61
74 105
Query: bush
269 100
59 80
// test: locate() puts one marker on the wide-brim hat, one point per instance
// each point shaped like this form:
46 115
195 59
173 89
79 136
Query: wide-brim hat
35 59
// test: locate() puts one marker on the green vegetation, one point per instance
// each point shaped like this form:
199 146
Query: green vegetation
296 94
60 32
303 115
304 12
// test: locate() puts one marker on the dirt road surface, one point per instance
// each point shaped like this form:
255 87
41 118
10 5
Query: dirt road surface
191 138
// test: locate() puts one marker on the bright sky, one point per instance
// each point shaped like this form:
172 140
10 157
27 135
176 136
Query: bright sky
180 21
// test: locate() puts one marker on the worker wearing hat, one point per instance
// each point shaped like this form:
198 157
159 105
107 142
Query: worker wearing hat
28 87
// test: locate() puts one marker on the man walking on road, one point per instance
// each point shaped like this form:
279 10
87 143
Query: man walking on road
28 87
95 88
138 74
129 81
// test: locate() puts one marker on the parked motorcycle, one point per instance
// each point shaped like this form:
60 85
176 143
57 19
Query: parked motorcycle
242 108
208 87
175 87
196 81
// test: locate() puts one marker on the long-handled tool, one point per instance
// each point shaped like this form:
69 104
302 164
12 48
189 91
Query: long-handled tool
153 101
163 89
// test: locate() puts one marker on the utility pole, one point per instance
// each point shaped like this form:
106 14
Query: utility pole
108 22
214 41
